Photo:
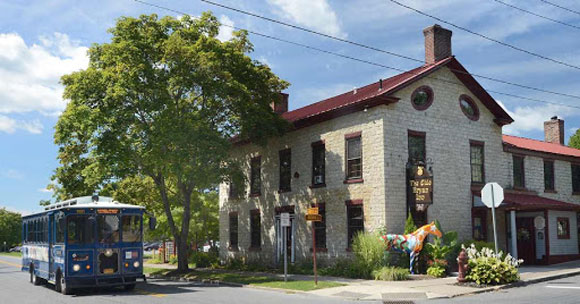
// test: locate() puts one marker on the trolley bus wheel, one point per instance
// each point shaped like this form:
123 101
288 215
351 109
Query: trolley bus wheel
33 278
129 287
60 285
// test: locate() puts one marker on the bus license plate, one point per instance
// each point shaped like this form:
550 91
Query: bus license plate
108 271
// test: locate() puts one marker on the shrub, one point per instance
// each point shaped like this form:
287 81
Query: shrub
478 245
344 267
369 252
203 259
391 274
437 271
173 259
487 268
441 252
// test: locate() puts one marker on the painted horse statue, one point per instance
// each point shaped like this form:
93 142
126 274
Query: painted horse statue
411 243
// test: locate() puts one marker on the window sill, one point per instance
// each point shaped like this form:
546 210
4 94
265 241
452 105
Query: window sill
255 249
354 181
317 186
321 250
564 237
235 249
551 191
284 191
255 194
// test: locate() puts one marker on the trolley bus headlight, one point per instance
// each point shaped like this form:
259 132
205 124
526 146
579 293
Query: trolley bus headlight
76 267
136 264
108 253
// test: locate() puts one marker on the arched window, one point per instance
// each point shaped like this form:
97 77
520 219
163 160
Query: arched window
468 107
422 98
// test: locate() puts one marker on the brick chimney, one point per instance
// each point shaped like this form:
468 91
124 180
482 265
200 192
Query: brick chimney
437 43
282 105
554 130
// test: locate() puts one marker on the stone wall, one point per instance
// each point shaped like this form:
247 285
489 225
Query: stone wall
385 152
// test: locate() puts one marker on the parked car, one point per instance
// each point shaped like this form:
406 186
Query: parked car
16 249
151 246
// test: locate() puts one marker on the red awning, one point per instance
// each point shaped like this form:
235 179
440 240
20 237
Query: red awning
519 201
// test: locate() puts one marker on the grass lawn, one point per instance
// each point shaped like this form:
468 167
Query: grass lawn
14 254
254 280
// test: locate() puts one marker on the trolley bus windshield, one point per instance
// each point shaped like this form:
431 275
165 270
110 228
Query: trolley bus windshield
108 228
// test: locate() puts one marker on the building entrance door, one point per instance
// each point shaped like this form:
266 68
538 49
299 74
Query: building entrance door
290 239
526 239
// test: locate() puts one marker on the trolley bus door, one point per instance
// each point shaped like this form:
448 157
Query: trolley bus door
51 238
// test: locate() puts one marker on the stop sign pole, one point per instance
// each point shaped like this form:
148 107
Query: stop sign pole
492 196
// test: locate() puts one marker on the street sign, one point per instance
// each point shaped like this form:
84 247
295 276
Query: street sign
492 196
314 217
313 210
285 219
492 193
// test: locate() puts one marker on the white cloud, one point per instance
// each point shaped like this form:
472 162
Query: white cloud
314 14
30 75
11 174
531 118
226 29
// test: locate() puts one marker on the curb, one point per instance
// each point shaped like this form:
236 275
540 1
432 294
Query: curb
519 283
224 283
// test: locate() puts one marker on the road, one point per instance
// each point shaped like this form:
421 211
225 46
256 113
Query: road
560 291
15 288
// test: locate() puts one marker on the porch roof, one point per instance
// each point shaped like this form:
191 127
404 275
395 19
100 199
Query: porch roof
520 201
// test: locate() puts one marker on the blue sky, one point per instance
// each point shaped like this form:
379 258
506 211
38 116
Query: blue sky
42 40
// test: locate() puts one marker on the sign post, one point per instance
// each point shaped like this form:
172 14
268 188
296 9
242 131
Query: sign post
492 197
313 216
285 222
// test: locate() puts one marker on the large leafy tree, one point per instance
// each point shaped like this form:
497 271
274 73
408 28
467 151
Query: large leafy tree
574 141
10 228
163 99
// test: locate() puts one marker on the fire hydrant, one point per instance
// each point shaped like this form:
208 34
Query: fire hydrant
462 265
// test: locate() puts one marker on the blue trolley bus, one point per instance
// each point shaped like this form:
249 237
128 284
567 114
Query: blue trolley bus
84 242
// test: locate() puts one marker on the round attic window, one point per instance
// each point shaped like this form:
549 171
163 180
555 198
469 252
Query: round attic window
422 98
469 107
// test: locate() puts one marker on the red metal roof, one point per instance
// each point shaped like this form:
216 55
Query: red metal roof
520 201
372 92
540 146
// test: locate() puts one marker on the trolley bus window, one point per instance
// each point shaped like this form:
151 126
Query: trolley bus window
60 230
108 227
80 230
131 228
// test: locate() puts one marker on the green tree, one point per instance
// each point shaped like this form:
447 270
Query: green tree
10 228
163 99
410 226
574 140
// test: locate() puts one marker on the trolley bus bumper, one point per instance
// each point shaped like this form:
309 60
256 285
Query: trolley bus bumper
80 282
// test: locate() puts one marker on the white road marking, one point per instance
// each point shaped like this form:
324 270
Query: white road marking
563 287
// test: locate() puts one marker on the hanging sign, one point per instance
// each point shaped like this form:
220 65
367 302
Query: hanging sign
314 217
421 186
313 210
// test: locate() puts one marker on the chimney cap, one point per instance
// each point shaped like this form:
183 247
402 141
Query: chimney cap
555 117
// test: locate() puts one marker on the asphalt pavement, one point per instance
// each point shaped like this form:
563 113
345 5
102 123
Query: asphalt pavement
562 291
16 288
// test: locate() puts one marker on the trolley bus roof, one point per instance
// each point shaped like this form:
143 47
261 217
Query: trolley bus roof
88 202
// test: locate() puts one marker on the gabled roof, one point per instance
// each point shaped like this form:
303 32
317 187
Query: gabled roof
540 146
372 95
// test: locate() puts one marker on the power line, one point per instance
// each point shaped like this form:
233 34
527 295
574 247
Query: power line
487 37
561 7
366 46
354 58
537 15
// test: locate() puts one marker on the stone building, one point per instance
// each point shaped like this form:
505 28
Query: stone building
352 155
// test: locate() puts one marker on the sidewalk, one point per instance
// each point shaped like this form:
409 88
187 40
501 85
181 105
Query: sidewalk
416 289
441 288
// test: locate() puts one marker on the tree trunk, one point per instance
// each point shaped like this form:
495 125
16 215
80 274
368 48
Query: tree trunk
183 254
